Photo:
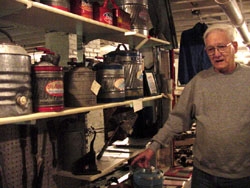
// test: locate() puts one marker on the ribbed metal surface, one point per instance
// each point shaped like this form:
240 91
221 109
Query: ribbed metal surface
138 11
14 83
111 79
133 80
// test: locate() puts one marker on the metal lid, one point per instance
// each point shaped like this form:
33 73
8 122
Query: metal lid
48 68
12 49
102 66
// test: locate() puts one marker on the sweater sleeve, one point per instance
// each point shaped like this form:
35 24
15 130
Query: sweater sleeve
180 119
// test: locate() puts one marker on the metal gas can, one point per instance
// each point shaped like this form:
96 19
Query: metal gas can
48 87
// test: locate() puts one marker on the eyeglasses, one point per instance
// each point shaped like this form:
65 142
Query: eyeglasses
221 48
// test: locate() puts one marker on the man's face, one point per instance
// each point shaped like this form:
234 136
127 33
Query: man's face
221 51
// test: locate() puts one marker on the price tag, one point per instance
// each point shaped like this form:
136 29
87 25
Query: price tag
137 105
95 87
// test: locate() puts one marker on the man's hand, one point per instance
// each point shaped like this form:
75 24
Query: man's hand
143 159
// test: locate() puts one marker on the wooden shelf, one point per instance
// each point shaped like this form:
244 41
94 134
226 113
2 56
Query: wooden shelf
38 15
106 165
70 111
113 158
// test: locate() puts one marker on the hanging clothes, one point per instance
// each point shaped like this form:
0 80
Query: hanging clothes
192 57
162 20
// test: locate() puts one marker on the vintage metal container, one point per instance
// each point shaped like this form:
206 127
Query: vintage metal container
138 10
111 78
132 62
71 142
77 87
15 81
102 13
82 8
147 178
48 86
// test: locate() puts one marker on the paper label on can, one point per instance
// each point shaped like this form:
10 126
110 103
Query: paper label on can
55 88
120 84
139 75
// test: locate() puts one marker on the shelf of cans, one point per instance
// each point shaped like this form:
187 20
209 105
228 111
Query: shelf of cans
48 18
39 15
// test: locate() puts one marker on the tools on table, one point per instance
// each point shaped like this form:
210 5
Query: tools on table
86 165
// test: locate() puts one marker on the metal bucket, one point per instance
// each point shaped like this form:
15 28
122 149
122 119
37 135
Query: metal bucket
60 4
77 84
138 10
48 89
15 81
147 178
71 142
111 79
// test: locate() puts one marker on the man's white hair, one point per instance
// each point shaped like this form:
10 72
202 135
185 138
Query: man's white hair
229 30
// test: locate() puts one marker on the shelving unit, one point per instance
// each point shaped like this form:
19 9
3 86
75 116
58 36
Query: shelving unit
34 14
105 165
47 19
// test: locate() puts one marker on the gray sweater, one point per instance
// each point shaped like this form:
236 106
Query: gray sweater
220 105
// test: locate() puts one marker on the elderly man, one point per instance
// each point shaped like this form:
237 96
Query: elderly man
218 100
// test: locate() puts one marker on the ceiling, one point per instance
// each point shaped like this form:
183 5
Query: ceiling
186 13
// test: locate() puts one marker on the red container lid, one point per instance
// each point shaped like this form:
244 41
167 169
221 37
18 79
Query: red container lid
48 68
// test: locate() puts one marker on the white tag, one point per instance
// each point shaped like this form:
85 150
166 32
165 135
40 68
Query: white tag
137 105
95 87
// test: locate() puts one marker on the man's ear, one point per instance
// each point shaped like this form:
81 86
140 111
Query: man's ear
235 45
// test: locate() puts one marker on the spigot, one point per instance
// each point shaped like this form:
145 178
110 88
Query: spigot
22 100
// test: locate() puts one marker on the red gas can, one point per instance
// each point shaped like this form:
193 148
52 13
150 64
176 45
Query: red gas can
102 13
47 84
82 8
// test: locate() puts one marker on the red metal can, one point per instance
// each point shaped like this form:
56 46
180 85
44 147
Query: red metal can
81 8
48 88
102 13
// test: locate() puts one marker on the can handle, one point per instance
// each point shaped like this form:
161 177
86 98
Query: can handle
45 50
105 4
7 34
114 4
119 45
